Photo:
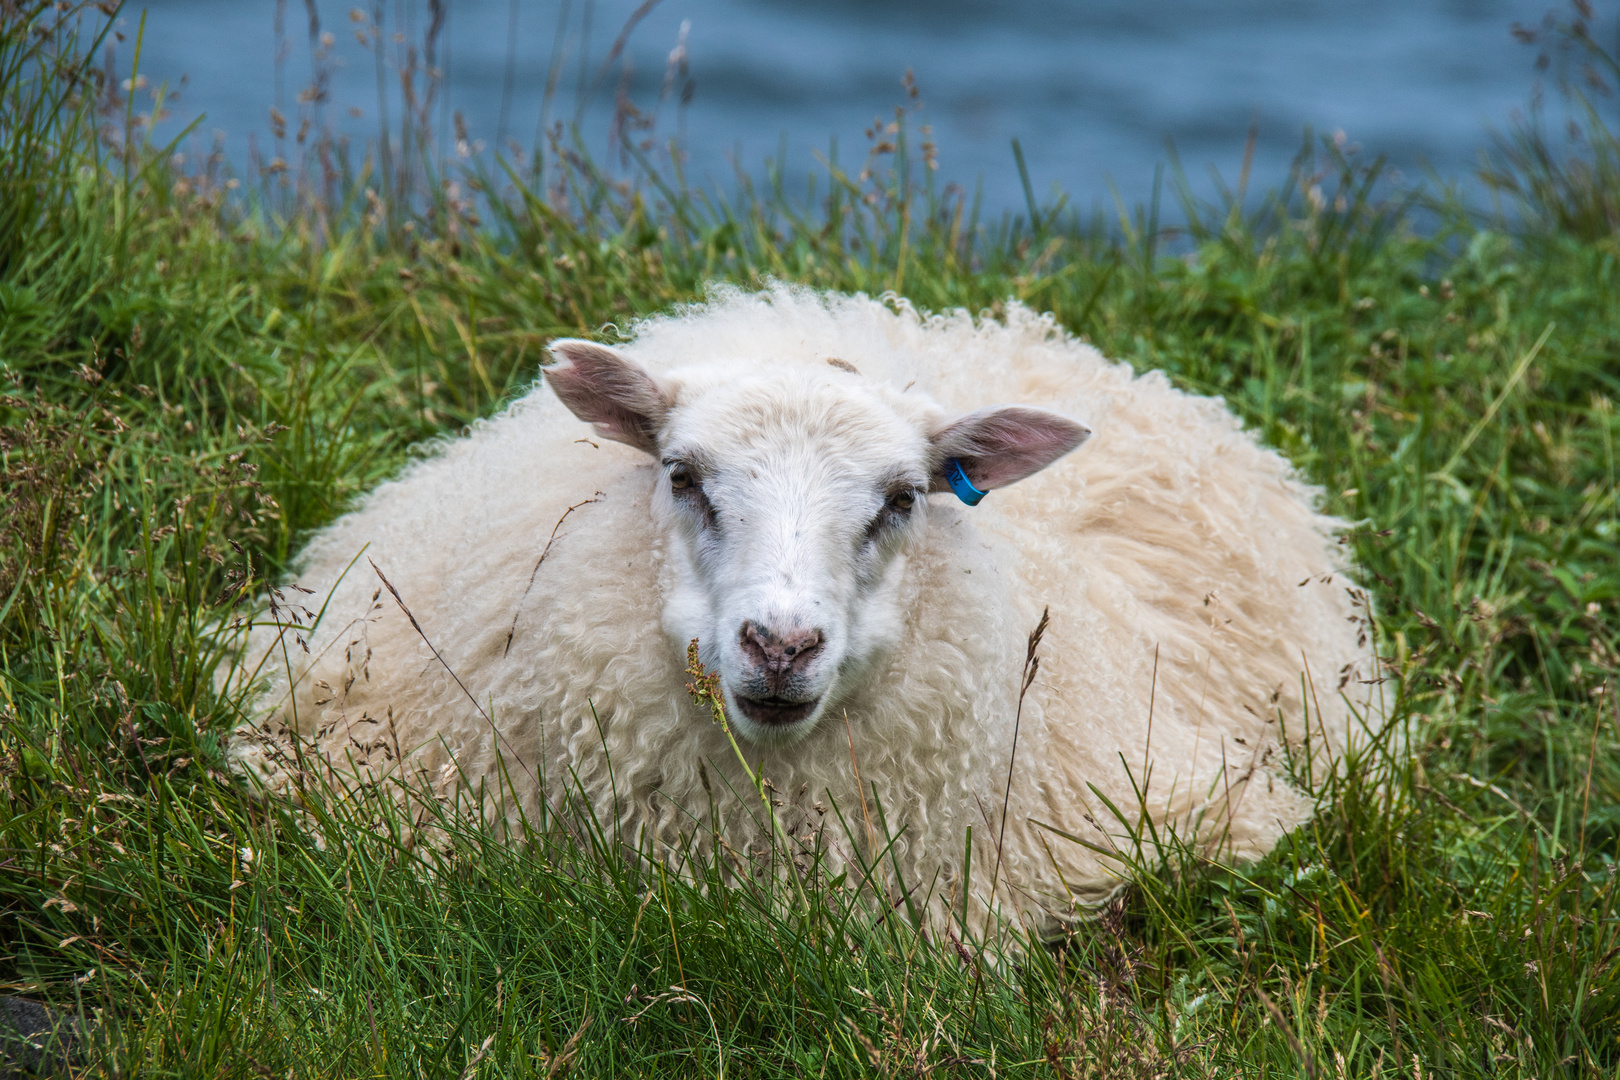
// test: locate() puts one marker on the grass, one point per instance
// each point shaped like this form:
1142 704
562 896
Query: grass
195 378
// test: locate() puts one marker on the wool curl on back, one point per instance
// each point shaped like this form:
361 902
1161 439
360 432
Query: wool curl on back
1206 646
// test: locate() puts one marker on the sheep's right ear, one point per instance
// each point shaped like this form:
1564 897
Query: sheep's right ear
610 391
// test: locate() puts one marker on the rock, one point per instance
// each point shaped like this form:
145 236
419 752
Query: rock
37 1040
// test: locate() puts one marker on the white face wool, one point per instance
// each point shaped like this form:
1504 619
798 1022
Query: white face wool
789 497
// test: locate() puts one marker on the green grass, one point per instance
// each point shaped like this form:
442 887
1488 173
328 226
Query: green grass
193 381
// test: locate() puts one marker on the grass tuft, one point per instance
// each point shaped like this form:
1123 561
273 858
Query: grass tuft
1573 191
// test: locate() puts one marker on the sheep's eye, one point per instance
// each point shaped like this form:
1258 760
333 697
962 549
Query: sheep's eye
902 500
680 478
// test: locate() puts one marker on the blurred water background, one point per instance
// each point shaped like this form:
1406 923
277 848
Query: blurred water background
1092 89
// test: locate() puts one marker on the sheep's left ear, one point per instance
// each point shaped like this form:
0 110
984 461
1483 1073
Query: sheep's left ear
1001 446
608 390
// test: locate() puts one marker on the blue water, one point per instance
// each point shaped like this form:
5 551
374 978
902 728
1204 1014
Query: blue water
1091 89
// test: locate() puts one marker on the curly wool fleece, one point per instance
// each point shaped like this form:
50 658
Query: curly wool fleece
1203 635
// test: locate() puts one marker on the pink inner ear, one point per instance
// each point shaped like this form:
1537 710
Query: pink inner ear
1003 445
609 391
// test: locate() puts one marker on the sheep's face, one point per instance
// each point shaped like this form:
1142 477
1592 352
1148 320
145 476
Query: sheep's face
789 499
789 496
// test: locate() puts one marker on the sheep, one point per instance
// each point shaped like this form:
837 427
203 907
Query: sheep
826 495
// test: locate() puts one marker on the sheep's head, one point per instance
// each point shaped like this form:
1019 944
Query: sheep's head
789 495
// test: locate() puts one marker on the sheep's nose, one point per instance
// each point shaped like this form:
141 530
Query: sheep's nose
779 653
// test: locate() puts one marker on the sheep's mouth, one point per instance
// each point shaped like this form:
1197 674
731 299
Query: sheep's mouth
776 711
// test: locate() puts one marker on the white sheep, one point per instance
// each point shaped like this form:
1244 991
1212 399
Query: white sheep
767 475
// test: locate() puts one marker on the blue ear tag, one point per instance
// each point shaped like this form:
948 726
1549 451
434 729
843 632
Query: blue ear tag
960 484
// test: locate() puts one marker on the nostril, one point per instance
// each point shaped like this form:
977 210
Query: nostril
800 645
755 645
807 641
